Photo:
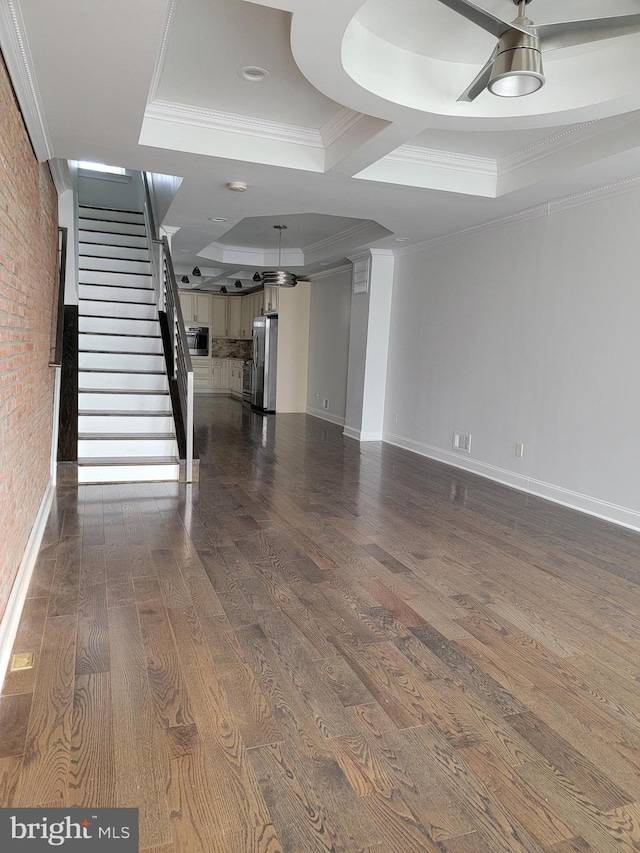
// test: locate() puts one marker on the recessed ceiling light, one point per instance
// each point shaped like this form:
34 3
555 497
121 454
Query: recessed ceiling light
237 186
253 73
402 239
217 218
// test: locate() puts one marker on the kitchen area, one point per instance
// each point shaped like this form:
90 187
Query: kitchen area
251 347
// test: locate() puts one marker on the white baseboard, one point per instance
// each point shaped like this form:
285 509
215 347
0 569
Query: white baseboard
18 596
325 416
623 516
360 435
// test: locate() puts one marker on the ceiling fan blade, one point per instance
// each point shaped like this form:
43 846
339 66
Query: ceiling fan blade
480 83
568 33
484 19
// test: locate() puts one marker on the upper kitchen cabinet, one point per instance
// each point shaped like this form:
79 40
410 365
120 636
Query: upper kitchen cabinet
218 316
246 316
270 299
234 317
196 308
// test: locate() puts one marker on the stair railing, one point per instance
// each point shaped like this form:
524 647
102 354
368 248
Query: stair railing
168 301
182 367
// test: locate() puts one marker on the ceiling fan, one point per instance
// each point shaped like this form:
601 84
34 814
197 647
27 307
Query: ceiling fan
515 66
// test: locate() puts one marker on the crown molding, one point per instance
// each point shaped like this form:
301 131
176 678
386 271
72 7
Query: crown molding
318 276
546 147
159 66
555 206
418 156
61 174
328 242
338 125
19 61
234 123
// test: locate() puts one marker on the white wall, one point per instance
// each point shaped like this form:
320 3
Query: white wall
528 333
106 191
163 190
329 346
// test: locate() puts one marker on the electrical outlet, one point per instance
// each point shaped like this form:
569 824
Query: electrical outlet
462 442
325 403
395 418
519 449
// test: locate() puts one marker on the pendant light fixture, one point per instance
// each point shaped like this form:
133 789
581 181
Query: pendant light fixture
279 277
185 279
196 272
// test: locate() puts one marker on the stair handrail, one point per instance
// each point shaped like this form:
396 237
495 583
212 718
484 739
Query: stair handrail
58 315
182 366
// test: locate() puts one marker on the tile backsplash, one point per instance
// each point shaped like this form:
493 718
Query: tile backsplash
229 348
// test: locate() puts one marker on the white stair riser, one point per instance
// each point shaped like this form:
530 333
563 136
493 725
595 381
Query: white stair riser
122 381
129 310
118 344
128 473
112 239
129 253
123 278
120 361
118 326
96 448
96 401
86 262
101 226
139 423
142 296
102 215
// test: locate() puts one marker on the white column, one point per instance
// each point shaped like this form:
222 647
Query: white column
369 345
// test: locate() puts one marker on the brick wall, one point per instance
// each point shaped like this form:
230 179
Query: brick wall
28 283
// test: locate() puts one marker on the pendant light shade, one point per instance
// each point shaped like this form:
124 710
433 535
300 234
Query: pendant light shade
279 277
257 277
185 279
196 272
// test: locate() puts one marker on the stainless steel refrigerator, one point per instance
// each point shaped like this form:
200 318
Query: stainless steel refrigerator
265 363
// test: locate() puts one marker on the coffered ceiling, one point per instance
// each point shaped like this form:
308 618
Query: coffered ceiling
354 137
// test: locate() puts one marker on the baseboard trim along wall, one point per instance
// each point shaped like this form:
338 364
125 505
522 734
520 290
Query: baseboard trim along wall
325 416
13 612
620 515
359 435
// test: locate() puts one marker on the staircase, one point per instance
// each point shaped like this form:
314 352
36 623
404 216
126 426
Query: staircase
125 423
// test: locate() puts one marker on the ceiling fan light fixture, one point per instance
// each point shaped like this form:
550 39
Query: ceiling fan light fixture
516 73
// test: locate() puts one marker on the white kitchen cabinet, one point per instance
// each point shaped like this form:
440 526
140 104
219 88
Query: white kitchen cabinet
202 379
218 316
196 308
235 377
220 374
234 316
246 324
271 299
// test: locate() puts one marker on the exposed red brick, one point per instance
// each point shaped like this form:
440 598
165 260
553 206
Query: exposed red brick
28 288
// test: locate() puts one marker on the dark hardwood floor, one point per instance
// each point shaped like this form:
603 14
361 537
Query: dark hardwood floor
328 646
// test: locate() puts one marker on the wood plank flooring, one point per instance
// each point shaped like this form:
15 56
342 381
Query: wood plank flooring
327 647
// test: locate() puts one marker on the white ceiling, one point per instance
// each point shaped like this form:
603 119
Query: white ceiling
154 85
